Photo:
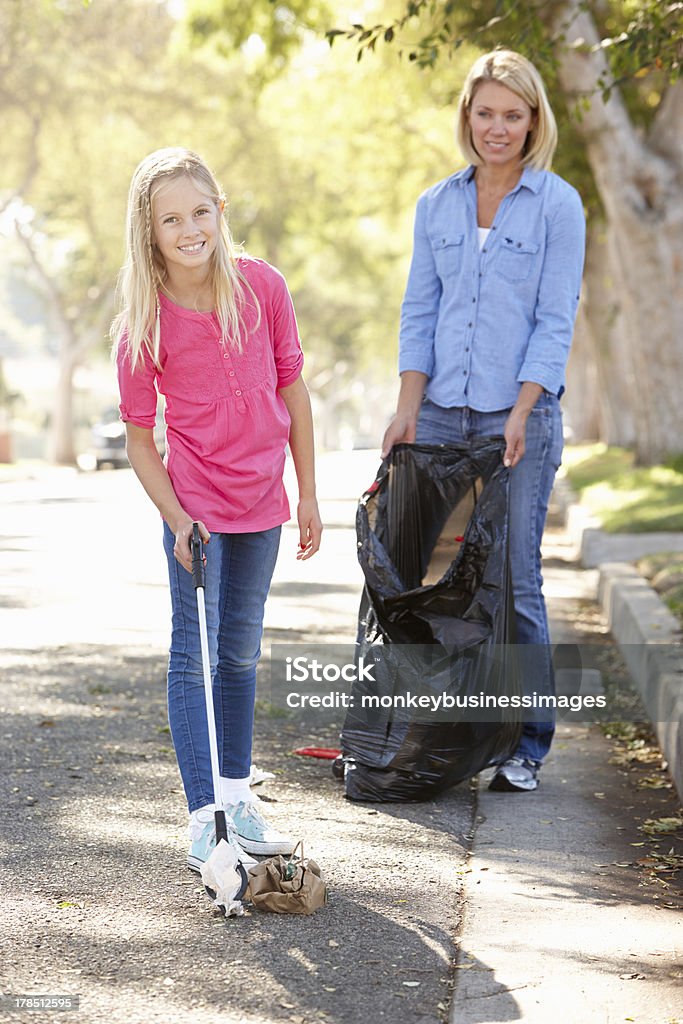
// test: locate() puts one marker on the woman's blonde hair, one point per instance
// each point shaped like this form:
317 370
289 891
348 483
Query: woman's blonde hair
518 74
145 271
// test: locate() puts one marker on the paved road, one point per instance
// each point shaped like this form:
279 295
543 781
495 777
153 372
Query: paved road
97 900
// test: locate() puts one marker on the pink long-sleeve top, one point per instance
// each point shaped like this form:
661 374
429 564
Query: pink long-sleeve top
227 426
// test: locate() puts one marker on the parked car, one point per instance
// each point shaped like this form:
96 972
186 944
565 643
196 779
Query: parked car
108 439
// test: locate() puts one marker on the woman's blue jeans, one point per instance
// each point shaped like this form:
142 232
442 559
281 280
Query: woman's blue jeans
531 482
239 568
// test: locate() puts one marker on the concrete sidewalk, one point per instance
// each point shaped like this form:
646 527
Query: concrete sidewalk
560 921
648 635
557 922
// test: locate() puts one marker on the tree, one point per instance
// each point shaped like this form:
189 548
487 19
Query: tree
618 67
88 90
331 206
637 174
342 154
358 147
59 159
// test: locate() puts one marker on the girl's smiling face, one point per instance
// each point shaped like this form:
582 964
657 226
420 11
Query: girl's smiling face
500 121
185 225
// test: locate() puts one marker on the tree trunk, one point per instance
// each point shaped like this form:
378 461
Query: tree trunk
639 184
615 394
63 451
61 447
580 401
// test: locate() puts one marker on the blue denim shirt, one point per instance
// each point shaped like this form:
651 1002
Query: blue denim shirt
479 323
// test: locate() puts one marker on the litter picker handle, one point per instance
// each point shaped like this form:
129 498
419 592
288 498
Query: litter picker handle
198 566
199 581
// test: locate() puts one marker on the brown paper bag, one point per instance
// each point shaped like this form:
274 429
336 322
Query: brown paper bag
284 885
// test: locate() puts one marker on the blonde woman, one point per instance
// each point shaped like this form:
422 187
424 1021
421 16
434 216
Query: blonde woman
486 326
214 331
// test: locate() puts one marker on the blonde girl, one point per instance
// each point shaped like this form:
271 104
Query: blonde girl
214 331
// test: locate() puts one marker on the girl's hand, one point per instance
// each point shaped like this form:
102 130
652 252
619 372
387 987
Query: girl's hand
310 528
515 437
183 536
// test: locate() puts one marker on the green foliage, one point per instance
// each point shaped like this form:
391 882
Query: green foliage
355 149
648 37
322 158
642 41
322 163
278 25
647 34
90 91
625 497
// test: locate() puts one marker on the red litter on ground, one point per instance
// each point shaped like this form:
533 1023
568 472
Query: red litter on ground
328 753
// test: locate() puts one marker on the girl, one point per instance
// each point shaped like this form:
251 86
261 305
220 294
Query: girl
486 326
214 331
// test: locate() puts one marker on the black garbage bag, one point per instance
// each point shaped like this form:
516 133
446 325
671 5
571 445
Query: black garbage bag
436 624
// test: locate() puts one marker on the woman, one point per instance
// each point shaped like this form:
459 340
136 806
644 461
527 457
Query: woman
486 326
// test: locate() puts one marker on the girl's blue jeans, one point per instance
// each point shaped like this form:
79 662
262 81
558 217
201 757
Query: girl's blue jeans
239 568
531 482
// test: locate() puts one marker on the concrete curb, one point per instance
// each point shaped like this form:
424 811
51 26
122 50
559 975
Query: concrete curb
647 634
595 546
649 639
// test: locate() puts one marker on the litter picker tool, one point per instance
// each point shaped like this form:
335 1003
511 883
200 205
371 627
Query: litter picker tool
230 878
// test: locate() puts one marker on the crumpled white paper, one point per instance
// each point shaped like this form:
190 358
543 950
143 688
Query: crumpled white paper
219 872
257 776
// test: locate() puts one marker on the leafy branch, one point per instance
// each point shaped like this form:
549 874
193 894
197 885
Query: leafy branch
650 39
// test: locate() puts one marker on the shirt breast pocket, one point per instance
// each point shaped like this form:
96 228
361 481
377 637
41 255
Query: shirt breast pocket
447 251
516 259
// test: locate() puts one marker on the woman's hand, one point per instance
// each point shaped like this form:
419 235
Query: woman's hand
183 535
515 426
310 528
515 438
401 430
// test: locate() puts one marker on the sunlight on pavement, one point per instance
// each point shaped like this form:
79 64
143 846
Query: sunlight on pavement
82 561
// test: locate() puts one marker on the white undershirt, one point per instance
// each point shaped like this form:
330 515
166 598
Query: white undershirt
483 235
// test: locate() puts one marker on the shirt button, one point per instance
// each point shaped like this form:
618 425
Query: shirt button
474 300
231 373
238 393
467 350
484 249
469 324
226 355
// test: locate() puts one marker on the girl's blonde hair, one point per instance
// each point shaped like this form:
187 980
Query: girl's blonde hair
145 271
518 74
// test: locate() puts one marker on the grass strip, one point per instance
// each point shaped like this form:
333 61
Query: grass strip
626 498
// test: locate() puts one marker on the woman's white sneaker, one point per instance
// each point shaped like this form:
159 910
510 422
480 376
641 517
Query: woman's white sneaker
516 775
